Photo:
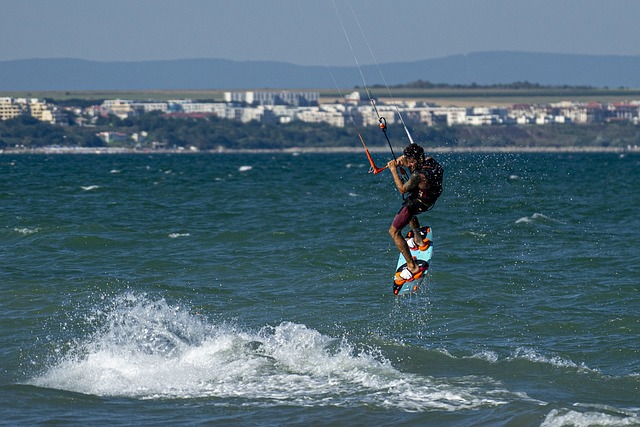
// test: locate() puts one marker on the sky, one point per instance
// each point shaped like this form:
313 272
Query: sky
313 32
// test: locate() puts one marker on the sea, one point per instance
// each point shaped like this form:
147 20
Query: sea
256 289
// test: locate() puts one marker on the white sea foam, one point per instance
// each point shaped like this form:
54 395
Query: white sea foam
529 354
489 356
244 168
524 219
355 165
565 417
536 217
147 349
475 234
561 362
176 235
26 231
90 187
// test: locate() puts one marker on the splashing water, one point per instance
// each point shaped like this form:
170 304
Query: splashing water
145 348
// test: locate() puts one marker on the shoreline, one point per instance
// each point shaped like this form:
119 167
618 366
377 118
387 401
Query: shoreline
316 150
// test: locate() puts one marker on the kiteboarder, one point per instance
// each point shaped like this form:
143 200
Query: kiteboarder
420 192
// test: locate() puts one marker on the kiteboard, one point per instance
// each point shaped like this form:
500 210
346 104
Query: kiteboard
423 257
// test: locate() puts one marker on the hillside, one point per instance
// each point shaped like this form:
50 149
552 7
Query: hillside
482 68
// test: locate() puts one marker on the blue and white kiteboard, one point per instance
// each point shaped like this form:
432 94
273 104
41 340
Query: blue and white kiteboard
422 257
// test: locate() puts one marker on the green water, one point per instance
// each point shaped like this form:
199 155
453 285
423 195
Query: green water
256 289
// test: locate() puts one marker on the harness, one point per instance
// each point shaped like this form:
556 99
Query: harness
422 200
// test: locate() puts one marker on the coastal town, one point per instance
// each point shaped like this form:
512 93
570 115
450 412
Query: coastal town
289 106
282 107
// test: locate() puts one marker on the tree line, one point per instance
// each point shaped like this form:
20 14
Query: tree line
524 85
212 133
205 133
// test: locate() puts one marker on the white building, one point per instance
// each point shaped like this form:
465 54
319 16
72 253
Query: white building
201 107
121 108
315 115
273 98
147 107
456 116
8 109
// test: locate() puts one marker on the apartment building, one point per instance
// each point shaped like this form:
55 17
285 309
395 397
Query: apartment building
8 110
40 110
283 97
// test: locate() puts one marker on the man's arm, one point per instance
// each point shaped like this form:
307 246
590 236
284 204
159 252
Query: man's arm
403 187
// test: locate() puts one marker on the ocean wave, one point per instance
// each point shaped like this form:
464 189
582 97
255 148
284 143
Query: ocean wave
536 218
528 355
355 165
26 231
532 355
475 234
489 356
176 235
599 417
146 348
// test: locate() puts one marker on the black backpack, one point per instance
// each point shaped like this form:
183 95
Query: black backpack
434 172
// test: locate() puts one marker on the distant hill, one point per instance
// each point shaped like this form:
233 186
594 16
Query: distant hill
483 68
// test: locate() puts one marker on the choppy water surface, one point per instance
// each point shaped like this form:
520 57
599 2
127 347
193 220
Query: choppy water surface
256 289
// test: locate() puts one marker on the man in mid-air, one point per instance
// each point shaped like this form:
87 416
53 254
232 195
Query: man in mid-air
422 189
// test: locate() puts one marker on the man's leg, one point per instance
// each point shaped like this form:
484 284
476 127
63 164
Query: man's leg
415 226
401 220
402 246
